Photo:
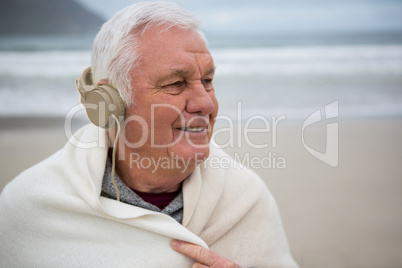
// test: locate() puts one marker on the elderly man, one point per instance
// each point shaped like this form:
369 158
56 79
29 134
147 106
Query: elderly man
150 199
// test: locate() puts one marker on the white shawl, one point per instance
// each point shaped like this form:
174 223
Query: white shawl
52 215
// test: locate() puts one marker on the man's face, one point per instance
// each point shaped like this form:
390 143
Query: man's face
173 93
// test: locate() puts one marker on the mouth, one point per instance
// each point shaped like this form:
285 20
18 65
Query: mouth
192 129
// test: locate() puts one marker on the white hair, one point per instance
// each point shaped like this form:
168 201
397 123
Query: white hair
115 49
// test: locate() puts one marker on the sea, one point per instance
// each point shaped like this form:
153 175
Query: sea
263 75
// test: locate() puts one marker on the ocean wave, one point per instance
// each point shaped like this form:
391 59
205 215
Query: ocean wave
42 82
328 60
44 63
267 61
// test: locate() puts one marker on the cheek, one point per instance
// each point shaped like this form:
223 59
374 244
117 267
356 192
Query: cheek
166 114
134 131
162 122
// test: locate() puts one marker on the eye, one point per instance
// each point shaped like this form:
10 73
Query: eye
176 84
207 84
175 88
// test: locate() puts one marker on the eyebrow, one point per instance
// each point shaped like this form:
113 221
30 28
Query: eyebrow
210 70
173 73
179 72
183 73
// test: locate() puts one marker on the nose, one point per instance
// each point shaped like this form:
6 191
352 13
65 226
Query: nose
199 101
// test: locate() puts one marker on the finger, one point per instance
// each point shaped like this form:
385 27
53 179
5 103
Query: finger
198 253
199 265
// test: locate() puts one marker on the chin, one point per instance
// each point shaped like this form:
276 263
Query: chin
191 155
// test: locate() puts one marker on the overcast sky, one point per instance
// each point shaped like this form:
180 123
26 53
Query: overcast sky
281 15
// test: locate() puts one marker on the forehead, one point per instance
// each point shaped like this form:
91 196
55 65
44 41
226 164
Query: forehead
173 48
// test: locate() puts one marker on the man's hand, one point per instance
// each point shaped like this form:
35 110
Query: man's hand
203 256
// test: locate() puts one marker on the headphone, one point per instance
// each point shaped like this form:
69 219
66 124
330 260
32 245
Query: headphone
101 101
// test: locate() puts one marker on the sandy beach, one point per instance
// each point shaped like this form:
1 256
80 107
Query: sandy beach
344 216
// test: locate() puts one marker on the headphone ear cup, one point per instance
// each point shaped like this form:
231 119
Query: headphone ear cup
101 103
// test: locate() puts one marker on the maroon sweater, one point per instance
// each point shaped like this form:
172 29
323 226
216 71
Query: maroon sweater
161 200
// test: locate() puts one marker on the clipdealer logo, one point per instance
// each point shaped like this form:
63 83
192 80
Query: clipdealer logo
232 136
330 156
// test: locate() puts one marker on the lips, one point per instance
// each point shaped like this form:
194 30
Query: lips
192 129
194 125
